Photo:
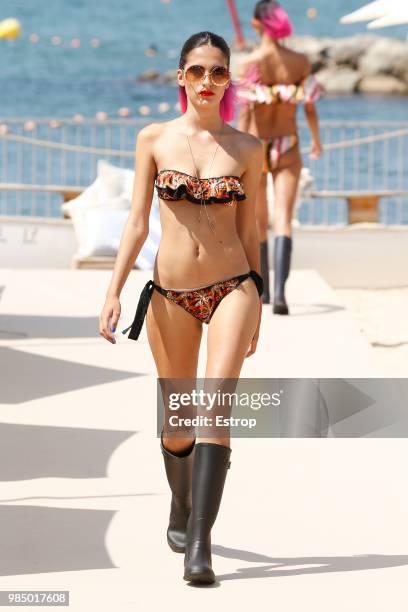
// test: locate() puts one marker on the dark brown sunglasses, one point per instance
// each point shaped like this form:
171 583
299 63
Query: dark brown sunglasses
219 75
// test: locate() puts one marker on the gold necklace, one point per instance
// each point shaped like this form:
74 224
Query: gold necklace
211 222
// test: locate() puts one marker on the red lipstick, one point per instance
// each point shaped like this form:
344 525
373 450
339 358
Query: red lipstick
206 93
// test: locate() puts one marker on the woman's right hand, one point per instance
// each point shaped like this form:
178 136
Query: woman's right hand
109 318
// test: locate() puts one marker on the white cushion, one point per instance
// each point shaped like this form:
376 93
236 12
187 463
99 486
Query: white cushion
129 179
99 215
116 180
112 185
147 255
98 230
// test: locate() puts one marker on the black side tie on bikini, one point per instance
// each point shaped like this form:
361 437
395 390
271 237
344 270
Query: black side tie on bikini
258 280
146 294
142 306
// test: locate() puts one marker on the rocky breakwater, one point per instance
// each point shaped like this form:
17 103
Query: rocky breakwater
364 64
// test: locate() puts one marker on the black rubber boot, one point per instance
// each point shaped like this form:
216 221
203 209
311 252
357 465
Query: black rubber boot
281 265
211 463
179 470
266 298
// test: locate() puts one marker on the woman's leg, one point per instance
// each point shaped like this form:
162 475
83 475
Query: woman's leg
285 181
174 337
261 208
261 212
230 332
285 185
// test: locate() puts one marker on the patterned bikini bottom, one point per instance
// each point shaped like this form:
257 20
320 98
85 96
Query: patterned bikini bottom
274 148
200 302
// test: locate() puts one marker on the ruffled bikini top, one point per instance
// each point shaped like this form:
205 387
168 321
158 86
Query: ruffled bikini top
250 88
175 185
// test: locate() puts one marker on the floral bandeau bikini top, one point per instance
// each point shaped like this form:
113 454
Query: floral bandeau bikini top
250 88
175 185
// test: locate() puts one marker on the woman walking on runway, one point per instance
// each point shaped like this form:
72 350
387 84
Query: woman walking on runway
206 174
272 81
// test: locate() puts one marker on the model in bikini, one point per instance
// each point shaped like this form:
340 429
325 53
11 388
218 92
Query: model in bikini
206 174
273 80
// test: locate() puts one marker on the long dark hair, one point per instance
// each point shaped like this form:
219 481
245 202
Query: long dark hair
200 39
227 105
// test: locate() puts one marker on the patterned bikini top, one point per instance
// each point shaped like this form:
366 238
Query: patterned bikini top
250 88
175 185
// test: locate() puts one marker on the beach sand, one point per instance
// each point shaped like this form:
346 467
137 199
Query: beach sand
382 316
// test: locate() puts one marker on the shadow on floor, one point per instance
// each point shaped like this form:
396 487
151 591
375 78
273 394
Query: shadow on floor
38 451
17 327
30 376
281 566
37 539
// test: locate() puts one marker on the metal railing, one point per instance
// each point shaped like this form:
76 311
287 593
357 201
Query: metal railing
359 156
366 156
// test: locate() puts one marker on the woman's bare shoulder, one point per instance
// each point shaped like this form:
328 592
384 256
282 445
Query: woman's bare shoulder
301 59
247 143
246 61
153 132
150 132
251 151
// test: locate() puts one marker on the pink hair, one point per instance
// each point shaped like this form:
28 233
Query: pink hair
276 22
227 104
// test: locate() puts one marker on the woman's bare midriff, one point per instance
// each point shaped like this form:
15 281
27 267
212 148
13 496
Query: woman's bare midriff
190 255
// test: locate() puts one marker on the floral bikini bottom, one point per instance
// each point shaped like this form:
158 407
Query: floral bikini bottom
274 148
200 302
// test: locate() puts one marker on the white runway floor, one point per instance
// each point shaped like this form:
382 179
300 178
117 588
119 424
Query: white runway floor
305 524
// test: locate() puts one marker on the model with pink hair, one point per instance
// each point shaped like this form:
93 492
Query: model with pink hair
206 174
272 81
